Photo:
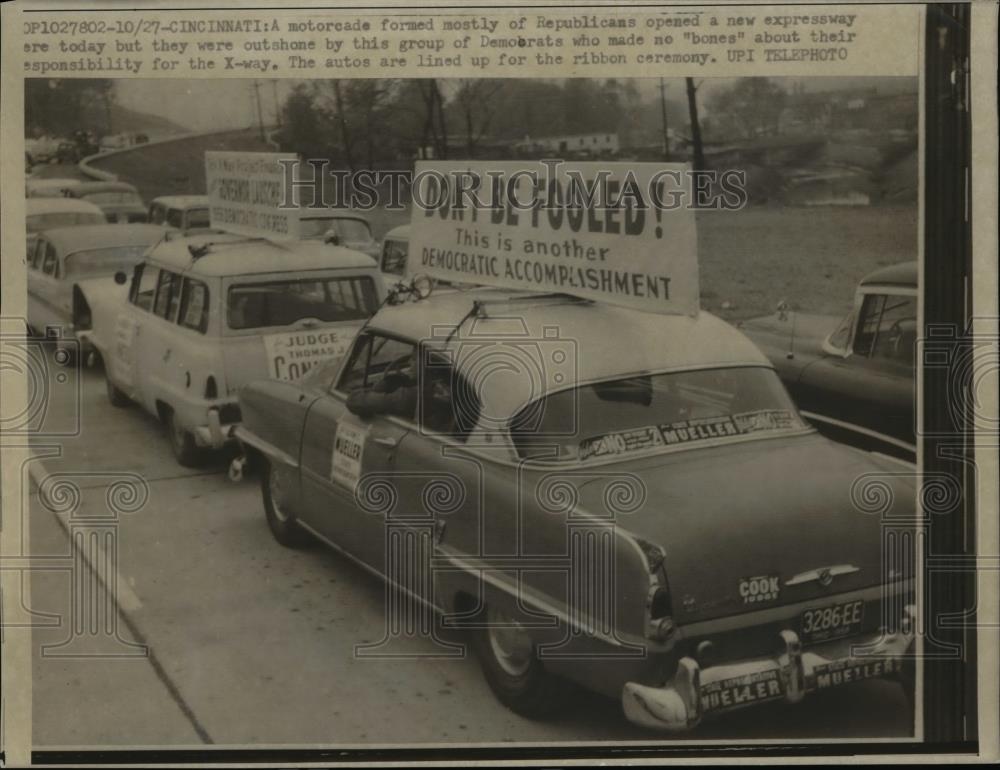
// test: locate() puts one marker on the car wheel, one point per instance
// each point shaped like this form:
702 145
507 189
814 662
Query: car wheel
182 443
281 521
509 659
115 396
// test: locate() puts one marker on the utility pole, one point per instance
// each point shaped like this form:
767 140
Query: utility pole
699 151
663 115
277 104
260 113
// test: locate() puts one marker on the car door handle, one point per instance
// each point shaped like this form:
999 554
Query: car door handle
390 442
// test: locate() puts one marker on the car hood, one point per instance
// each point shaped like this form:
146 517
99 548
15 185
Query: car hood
773 334
773 508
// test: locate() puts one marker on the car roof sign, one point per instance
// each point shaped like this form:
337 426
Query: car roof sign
245 192
589 230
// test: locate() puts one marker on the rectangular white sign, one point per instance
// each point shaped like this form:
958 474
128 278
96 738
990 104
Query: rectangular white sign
621 233
292 354
245 190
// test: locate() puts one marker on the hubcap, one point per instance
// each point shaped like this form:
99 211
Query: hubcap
509 642
274 489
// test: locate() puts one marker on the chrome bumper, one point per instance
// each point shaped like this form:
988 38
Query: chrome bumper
695 692
215 434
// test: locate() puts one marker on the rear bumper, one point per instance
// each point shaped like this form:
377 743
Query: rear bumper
215 433
697 692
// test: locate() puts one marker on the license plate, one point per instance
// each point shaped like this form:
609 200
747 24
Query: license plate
834 621
741 690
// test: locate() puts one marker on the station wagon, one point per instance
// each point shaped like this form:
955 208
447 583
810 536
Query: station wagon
180 212
205 314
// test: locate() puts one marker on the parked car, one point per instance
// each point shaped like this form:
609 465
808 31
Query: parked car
853 376
121 141
340 229
119 201
207 313
48 213
180 212
52 187
63 257
653 520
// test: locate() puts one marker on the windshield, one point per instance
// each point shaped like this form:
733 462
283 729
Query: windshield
109 261
618 417
111 198
351 230
394 257
38 222
198 218
314 228
282 303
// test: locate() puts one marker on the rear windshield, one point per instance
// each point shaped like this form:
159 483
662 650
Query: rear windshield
38 222
283 303
618 417
394 257
198 218
314 228
95 262
351 230
111 198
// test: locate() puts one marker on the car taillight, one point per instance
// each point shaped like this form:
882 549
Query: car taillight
82 319
211 389
659 613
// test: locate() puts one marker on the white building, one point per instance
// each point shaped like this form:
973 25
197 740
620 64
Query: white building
576 143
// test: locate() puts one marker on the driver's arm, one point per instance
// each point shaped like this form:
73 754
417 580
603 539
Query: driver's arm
391 395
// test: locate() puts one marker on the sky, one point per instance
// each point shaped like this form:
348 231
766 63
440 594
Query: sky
207 105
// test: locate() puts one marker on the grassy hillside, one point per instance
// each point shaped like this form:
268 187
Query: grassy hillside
176 167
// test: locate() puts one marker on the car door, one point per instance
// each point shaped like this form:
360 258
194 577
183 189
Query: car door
159 376
872 386
128 339
347 462
48 311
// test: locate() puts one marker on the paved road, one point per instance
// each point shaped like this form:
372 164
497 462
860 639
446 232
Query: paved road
248 642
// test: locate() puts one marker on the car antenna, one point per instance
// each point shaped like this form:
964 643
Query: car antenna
783 310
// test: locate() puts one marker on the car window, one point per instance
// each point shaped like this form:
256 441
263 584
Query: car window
50 262
839 339
394 257
372 357
175 218
157 213
198 218
283 303
38 222
618 417
887 328
111 198
35 258
144 286
107 261
351 230
194 305
167 295
448 404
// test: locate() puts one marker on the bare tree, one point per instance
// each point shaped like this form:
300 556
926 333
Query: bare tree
476 100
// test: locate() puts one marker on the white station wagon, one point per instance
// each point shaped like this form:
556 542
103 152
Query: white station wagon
205 314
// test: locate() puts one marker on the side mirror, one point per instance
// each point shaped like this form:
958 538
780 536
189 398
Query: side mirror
121 278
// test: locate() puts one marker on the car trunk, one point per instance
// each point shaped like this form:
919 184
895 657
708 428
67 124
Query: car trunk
769 509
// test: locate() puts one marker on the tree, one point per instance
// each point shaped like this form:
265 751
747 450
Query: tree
476 100
751 107
61 107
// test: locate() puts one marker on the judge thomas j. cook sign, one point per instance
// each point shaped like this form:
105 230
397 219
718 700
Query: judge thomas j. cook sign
245 190
612 232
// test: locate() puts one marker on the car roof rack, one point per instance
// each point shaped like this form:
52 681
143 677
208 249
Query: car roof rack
199 251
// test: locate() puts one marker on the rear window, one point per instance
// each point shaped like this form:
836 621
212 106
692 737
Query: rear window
394 257
97 262
198 218
618 417
38 222
112 198
283 303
